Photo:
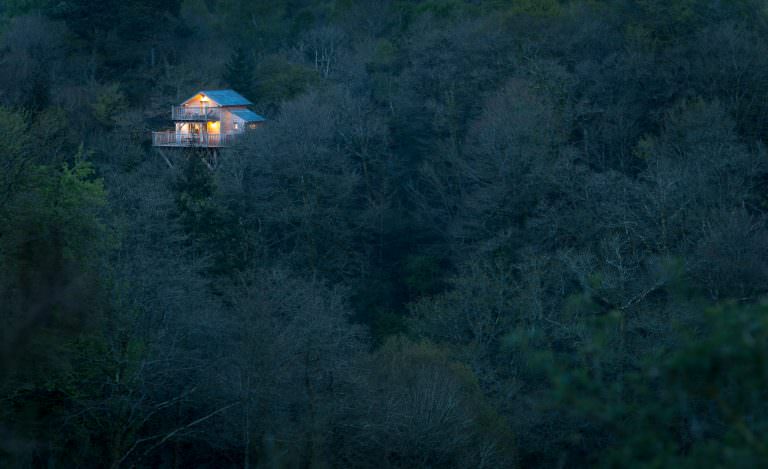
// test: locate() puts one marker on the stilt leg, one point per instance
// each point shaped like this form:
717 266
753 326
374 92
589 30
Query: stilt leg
167 161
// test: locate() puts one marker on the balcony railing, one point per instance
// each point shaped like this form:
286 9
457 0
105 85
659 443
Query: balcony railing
195 113
179 139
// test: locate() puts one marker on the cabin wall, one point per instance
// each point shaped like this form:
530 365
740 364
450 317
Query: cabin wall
241 127
226 125
227 119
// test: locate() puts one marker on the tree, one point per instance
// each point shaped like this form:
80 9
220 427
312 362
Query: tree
52 257
416 407
698 403
308 184
239 72
297 358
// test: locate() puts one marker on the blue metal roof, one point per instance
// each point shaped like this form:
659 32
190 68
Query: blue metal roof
224 97
248 116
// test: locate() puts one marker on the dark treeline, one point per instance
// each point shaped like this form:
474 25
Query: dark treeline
524 233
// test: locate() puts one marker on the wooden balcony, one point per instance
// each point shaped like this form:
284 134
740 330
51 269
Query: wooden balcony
195 113
189 140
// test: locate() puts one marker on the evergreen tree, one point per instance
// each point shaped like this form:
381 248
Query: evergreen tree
238 73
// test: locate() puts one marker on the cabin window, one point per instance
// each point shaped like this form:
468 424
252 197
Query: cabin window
237 126
252 126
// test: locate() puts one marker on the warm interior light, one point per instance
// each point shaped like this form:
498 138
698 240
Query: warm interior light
204 98
213 127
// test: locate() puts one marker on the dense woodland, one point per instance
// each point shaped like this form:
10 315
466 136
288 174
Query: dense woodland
522 233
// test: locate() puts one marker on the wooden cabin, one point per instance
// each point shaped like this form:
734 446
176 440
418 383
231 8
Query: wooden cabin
209 119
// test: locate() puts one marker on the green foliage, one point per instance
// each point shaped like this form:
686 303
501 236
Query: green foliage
699 403
540 8
441 10
209 228
195 189
527 204
50 129
63 207
386 324
20 7
51 255
278 80
13 134
423 274
238 72
449 423
109 103
655 23
129 19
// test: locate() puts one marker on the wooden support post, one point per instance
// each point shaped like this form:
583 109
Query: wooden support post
209 156
165 157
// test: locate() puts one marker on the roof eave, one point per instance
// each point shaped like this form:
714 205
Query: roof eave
201 93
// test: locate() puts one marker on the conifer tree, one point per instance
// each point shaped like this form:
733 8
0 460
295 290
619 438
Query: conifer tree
238 73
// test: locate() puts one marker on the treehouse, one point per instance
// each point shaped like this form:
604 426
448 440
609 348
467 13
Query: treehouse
209 119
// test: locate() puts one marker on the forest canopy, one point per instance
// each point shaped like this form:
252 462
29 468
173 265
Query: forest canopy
519 233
